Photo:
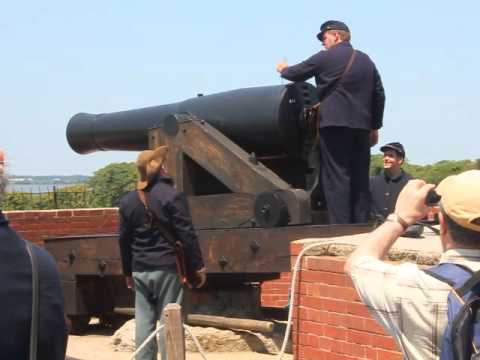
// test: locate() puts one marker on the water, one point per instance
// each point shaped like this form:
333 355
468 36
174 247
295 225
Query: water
35 188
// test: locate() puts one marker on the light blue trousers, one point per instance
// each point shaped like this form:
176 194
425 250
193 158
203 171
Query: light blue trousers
153 291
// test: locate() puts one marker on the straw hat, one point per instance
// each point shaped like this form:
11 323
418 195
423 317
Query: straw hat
461 198
148 165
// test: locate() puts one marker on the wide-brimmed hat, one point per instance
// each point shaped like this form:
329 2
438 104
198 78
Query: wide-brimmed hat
461 198
331 25
148 165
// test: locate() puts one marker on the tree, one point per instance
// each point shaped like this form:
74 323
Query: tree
110 183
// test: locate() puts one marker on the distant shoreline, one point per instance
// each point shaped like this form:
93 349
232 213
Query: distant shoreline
37 188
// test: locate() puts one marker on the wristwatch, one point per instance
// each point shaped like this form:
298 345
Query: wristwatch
398 219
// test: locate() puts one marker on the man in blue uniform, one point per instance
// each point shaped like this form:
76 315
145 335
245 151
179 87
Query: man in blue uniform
16 296
385 187
352 100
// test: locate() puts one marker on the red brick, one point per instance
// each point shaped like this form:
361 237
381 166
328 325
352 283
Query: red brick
326 263
371 354
314 340
325 343
312 354
14 215
389 355
374 327
295 249
311 327
323 277
357 309
384 342
355 322
335 332
312 302
358 337
333 305
64 213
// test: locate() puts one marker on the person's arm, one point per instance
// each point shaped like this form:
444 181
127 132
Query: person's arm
124 240
304 70
378 103
179 214
410 207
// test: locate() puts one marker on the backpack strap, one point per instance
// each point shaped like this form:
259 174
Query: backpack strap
455 275
34 323
469 284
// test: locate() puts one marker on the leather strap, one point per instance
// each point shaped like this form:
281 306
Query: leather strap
348 67
165 231
34 323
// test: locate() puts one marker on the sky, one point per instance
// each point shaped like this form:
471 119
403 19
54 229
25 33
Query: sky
59 58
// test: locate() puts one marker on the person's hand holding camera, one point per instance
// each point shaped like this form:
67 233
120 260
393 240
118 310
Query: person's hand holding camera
411 204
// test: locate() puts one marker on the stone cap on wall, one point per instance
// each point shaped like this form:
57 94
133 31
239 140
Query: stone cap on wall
425 250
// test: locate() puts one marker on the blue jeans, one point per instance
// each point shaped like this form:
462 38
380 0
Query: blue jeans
153 291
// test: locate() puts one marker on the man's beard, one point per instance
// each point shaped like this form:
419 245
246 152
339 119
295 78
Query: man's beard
3 184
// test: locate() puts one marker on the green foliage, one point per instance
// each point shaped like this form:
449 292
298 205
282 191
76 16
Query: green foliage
376 164
110 183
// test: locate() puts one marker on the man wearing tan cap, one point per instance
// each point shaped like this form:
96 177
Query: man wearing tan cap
410 303
150 218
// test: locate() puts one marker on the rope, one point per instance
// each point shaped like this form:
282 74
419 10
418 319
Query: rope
195 340
146 341
293 286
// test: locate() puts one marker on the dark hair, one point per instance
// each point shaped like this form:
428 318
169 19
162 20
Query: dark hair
461 235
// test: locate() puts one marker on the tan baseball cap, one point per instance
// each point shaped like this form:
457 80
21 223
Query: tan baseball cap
461 198
148 164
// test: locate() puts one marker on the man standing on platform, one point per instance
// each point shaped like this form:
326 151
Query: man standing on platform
349 115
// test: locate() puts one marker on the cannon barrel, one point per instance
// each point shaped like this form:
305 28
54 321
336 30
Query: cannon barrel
265 120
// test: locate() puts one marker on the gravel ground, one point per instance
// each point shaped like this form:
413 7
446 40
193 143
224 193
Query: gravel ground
96 346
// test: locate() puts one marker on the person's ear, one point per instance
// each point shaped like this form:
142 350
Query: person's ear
443 223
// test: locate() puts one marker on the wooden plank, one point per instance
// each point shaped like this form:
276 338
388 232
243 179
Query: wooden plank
174 334
225 160
230 323
248 250
221 211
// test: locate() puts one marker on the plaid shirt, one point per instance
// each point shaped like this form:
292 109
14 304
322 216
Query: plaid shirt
410 304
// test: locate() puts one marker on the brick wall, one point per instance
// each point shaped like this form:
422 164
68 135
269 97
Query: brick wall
38 225
275 292
330 322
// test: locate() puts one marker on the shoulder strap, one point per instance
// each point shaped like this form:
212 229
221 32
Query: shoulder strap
348 67
165 231
34 323
340 79
458 276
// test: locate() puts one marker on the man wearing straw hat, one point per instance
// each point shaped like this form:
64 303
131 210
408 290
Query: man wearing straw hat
148 255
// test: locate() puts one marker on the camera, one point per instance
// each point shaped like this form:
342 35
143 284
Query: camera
432 198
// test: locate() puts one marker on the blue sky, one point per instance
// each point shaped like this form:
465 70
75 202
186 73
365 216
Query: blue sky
63 57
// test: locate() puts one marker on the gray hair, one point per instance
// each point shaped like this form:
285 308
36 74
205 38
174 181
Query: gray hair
3 182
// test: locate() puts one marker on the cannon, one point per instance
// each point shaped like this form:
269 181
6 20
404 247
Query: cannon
243 158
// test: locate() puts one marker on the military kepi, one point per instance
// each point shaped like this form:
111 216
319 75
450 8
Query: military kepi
331 25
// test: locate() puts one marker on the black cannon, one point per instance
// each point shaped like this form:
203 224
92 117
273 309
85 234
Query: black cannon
265 120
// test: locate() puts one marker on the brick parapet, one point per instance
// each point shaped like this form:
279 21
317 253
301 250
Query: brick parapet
330 321
37 225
